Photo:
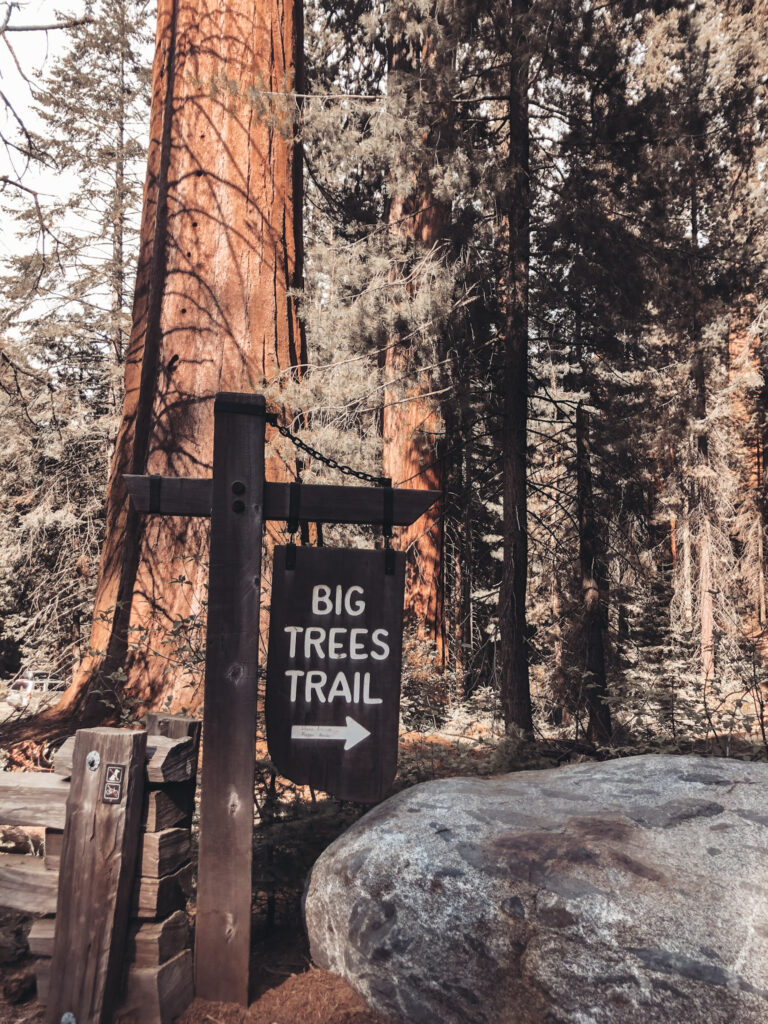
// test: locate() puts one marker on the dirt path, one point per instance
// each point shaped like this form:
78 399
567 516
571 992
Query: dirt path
312 997
287 989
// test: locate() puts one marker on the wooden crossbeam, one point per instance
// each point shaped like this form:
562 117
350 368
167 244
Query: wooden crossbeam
26 884
320 503
33 798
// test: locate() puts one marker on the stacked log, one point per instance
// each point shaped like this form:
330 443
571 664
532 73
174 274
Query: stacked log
41 801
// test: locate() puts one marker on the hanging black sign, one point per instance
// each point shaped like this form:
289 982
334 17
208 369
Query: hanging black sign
333 669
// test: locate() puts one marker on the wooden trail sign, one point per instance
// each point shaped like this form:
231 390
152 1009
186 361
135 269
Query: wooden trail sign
239 500
333 669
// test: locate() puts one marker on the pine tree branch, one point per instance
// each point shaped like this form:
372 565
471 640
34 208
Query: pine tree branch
70 23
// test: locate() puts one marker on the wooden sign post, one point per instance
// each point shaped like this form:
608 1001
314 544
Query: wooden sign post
239 500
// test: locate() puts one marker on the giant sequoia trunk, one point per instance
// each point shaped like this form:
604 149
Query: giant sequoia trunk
515 687
220 250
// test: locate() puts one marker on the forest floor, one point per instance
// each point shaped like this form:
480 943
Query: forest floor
287 988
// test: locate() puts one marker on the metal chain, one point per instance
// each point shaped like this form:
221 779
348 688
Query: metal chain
379 481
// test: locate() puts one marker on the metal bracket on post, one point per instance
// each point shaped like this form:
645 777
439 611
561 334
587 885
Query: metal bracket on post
387 518
155 487
294 505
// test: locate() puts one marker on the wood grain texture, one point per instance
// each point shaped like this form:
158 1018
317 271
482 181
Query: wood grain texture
159 897
62 758
169 805
21 839
175 727
162 853
320 503
151 943
157 995
33 798
170 760
324 503
98 862
169 727
178 496
223 931
54 844
41 936
43 978
26 884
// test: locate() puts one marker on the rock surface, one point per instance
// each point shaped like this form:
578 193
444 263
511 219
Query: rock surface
628 892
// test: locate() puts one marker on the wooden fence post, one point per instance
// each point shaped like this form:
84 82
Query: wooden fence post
98 861
223 930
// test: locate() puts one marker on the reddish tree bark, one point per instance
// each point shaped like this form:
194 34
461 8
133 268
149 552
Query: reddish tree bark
220 249
413 424
747 413
412 431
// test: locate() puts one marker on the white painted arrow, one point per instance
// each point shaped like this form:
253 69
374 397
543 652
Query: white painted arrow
352 733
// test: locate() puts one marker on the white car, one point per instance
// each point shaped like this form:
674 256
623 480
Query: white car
35 688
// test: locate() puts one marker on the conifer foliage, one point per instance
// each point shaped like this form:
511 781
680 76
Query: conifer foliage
66 297
532 274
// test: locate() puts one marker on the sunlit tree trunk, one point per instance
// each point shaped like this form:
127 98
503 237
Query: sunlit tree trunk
706 604
118 214
220 250
412 431
673 542
412 421
686 565
748 419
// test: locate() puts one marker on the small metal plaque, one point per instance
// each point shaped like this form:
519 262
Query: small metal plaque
114 783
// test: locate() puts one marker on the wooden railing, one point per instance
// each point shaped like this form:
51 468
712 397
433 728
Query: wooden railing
32 800
155 943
